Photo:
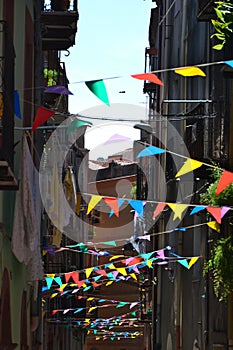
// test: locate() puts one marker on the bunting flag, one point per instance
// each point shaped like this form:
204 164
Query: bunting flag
229 63
216 213
190 71
193 261
122 270
89 271
133 276
58 89
149 77
95 199
120 202
150 151
188 166
197 209
113 243
49 281
178 209
17 105
58 280
214 225
224 210
183 262
121 304
147 237
225 180
117 138
158 209
42 115
137 205
99 90
76 123
113 204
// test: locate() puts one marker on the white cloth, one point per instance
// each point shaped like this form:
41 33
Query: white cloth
27 217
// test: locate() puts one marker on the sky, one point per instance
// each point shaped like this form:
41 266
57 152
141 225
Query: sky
110 41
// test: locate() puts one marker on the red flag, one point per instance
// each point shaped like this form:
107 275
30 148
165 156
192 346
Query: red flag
158 209
149 77
225 180
68 275
42 115
216 213
75 276
113 204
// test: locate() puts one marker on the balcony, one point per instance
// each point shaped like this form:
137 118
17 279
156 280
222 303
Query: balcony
59 24
206 10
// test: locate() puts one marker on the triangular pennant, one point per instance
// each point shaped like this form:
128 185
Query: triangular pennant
17 105
42 115
137 205
113 243
198 208
147 237
53 312
99 90
65 311
78 310
113 204
158 209
116 257
224 211
160 254
149 77
133 304
182 229
183 262
93 202
188 166
122 270
193 261
190 71
109 283
229 63
75 276
117 138
150 263
49 281
102 272
225 180
58 89
121 304
89 271
133 276
214 225
76 123
150 151
120 202
178 209
146 256
68 275
53 295
58 280
216 213
92 308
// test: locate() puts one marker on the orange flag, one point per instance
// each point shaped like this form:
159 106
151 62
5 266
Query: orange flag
149 77
216 213
158 210
113 204
225 180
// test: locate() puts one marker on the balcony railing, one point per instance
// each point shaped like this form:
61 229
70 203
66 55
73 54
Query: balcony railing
206 10
59 22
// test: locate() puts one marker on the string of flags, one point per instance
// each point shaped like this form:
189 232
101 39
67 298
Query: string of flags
98 88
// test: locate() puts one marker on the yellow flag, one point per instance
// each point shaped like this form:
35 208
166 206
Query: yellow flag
111 266
177 209
109 283
193 261
149 263
89 271
92 308
93 202
190 71
62 287
89 299
188 166
214 225
116 257
53 295
50 275
122 270
134 276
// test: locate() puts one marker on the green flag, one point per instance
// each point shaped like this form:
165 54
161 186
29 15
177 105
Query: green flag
98 88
